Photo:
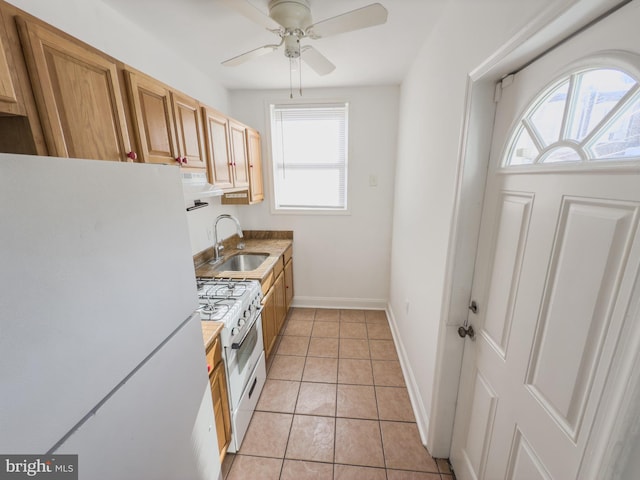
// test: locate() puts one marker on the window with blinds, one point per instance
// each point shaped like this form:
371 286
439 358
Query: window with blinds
309 156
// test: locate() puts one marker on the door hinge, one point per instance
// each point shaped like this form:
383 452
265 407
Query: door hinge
501 85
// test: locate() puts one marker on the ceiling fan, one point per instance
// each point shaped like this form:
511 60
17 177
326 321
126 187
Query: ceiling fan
291 21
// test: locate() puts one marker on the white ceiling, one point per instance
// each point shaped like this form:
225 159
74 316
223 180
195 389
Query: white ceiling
206 32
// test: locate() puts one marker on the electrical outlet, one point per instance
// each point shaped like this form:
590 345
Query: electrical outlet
406 306
373 180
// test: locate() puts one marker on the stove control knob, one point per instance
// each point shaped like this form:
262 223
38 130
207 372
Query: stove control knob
241 322
234 331
246 313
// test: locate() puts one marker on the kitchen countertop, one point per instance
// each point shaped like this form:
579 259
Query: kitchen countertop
210 330
274 247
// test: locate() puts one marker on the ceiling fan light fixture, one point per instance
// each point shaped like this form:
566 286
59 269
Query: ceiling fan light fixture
291 14
291 45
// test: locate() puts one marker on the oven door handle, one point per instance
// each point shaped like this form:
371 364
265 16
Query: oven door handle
238 345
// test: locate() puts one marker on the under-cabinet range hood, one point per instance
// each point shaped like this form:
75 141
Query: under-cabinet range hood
195 186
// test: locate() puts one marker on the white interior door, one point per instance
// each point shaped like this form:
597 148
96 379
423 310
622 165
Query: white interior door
556 279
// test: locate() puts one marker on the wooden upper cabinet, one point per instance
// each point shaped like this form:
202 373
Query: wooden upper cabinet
240 163
189 132
77 93
10 101
153 124
254 151
219 163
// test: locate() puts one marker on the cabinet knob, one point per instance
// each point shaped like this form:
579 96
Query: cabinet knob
179 160
250 166
132 156
184 160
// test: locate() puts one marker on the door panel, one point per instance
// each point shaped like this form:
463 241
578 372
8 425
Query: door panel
238 135
480 425
189 130
153 119
556 270
218 148
254 149
524 463
592 242
511 237
78 95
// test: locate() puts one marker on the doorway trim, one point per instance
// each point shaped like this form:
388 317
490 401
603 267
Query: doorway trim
555 23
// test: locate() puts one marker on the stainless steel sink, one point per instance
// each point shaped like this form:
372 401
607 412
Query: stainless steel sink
242 262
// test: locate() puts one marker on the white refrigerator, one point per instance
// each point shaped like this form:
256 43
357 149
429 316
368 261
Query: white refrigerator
101 354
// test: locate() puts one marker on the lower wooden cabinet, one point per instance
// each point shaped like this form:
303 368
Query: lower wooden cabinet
269 330
220 397
288 284
280 301
276 304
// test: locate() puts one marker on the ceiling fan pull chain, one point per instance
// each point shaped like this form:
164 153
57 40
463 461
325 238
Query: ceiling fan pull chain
300 72
290 79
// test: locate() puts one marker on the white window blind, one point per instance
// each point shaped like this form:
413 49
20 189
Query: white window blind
309 153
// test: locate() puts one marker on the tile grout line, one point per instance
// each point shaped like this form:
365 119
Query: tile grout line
335 419
293 415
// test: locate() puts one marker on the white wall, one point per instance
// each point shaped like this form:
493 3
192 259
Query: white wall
431 117
339 260
104 28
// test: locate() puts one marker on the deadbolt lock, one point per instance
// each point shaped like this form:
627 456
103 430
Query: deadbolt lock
473 306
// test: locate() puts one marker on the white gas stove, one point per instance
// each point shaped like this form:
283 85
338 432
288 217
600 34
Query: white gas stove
237 303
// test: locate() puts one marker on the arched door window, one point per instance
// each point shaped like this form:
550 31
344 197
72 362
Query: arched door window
591 115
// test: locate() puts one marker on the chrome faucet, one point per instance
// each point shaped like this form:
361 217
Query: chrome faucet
218 248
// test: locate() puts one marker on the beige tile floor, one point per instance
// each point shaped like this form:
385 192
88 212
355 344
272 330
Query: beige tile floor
334 407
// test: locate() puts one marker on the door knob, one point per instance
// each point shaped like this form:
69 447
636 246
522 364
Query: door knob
466 331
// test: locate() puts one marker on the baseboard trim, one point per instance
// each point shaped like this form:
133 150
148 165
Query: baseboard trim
417 403
337 302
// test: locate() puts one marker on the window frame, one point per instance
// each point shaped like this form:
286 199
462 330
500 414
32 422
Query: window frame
275 210
626 62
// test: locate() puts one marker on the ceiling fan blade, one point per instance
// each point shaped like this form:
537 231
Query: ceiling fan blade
318 62
251 54
248 10
369 16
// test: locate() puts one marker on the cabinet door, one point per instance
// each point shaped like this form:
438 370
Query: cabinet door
77 93
218 148
240 162
153 119
280 301
288 284
188 120
269 333
219 395
10 101
254 150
